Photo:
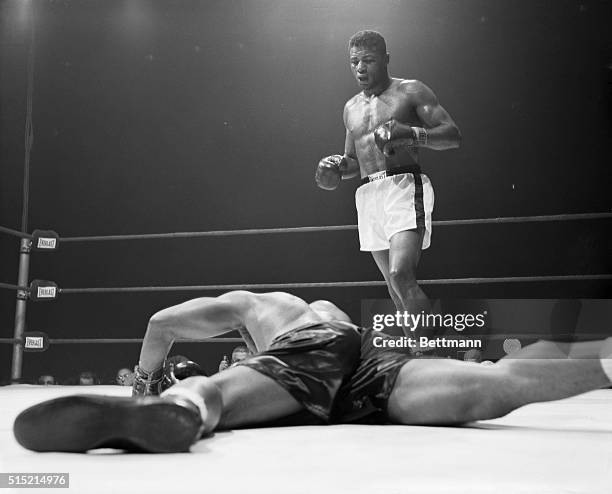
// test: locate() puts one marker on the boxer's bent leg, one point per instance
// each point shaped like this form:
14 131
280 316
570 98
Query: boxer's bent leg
404 256
446 392
251 398
302 370
381 258
195 406
239 396
553 370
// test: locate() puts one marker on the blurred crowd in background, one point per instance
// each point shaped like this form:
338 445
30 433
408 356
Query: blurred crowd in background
125 375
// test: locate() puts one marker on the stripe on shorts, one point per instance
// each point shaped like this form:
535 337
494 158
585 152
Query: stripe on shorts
419 208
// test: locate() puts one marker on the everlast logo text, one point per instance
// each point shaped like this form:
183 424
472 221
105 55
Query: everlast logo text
46 292
34 342
378 176
46 243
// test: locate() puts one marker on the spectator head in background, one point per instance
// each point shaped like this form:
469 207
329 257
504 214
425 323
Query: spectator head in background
87 378
46 380
473 355
240 353
125 377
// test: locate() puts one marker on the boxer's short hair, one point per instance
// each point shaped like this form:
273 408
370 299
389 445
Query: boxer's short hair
368 39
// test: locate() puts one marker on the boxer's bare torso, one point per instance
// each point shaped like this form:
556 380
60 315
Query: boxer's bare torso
363 113
259 317
266 316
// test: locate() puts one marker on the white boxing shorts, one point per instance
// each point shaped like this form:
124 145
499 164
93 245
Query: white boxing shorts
388 205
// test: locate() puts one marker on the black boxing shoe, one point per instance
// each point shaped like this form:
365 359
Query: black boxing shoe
79 423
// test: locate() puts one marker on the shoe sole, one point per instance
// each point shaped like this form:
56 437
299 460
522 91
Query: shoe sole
83 422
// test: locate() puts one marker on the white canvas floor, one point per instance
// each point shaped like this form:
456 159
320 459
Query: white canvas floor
557 447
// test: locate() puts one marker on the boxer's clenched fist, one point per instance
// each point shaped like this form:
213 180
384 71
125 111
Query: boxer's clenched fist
329 172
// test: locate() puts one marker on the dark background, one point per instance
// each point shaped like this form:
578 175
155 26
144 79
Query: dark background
200 115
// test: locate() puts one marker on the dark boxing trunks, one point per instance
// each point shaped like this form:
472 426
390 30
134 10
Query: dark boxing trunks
363 399
311 363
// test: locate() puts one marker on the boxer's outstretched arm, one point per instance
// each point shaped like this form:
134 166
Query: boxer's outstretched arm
198 318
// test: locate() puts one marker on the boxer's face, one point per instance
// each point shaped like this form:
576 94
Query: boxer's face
368 66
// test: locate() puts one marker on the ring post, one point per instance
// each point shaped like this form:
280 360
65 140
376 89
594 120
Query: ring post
20 308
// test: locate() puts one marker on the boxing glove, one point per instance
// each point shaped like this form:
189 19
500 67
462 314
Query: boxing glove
329 172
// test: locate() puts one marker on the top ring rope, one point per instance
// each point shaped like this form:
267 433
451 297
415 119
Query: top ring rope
309 229
15 233
10 286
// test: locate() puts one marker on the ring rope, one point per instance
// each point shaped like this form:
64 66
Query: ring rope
69 341
213 233
12 287
64 341
336 284
15 233
525 219
330 284
309 229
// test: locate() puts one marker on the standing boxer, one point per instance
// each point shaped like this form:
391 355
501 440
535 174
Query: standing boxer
386 124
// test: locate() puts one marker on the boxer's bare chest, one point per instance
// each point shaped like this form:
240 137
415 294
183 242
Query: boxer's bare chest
368 112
